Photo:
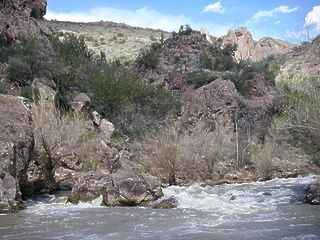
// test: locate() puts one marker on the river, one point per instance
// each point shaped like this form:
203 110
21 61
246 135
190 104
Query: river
260 210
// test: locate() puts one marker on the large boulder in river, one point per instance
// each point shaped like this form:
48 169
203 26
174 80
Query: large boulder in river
16 148
124 185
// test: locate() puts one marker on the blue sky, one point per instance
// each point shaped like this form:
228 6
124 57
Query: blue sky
282 19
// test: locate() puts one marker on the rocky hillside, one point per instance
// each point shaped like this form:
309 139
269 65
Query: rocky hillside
118 41
301 63
124 42
182 110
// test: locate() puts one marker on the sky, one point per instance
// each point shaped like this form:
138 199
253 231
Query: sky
291 20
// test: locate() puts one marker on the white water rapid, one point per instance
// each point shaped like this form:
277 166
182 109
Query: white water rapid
260 210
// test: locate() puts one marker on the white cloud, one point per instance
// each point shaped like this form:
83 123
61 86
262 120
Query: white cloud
313 17
216 7
266 14
143 17
277 22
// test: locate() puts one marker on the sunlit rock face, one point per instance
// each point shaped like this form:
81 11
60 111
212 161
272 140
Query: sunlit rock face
248 48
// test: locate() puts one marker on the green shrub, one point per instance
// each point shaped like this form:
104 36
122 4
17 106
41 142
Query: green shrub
19 71
90 165
152 38
147 57
122 41
241 84
71 49
32 93
300 114
205 61
89 38
200 78
116 92
27 60
36 13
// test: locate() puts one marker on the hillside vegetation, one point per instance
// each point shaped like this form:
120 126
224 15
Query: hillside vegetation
116 40
159 99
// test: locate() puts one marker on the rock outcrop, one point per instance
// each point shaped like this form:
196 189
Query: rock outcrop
21 17
122 186
92 166
205 32
221 99
248 48
16 148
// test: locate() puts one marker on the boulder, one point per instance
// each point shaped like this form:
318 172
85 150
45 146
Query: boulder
16 149
124 187
313 194
208 102
80 103
165 203
104 127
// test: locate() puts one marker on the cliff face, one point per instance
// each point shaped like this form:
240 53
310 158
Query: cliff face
248 48
21 17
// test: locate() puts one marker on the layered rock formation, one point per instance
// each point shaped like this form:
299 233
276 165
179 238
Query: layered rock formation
248 48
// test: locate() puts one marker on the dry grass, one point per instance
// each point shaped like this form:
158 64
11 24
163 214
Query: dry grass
53 130
182 157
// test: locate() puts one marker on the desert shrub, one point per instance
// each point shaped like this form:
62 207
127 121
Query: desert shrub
175 35
54 130
147 57
134 106
90 164
113 38
185 29
19 71
200 78
300 114
122 41
205 61
32 93
152 38
241 83
223 56
36 13
263 155
27 60
89 38
71 49
179 157
116 93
